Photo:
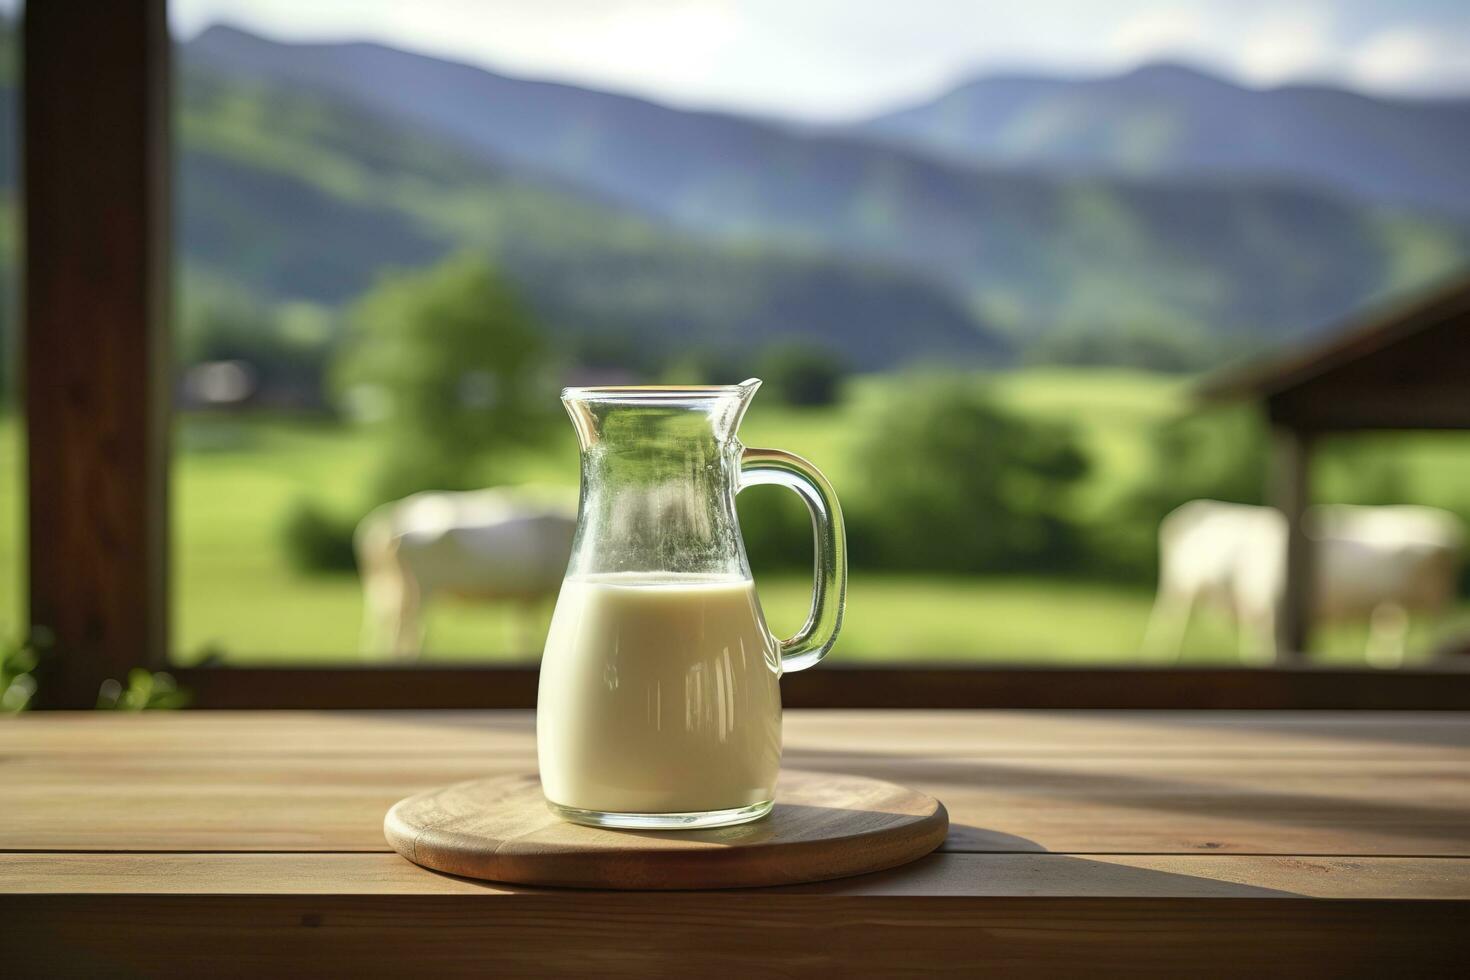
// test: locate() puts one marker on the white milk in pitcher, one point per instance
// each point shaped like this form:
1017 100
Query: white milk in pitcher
659 694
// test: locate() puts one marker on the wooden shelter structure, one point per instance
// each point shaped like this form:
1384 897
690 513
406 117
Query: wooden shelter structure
1406 366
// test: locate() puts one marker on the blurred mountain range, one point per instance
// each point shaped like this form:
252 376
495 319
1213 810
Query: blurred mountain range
1166 120
967 228
287 196
1023 249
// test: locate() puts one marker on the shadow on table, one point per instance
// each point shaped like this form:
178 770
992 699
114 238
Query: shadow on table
1033 875
1025 870
1447 729
1257 802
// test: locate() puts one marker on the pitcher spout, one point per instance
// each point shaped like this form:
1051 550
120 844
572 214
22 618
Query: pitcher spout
747 390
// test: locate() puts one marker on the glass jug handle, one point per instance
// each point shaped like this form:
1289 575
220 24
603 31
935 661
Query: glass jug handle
829 589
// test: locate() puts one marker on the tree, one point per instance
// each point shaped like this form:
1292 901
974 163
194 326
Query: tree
449 365
1215 453
958 484
1219 453
287 347
1166 347
801 373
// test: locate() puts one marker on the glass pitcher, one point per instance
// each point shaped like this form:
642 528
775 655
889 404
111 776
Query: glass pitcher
659 704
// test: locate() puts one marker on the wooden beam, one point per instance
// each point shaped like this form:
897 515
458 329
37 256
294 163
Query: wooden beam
1349 408
914 685
1360 343
96 285
573 932
1290 491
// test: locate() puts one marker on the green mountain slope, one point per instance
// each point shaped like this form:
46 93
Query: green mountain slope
1029 251
297 196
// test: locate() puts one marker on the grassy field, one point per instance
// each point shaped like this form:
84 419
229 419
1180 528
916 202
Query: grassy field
236 597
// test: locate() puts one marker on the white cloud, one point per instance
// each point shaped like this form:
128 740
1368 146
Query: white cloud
1286 43
829 59
1161 31
1408 58
1261 44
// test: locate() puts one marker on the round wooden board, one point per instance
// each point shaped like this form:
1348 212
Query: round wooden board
822 826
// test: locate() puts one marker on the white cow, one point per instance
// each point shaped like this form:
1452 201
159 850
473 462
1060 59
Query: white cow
1378 562
484 544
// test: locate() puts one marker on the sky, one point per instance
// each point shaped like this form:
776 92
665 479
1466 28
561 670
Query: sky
829 60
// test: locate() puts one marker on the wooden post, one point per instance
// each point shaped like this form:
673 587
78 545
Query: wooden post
95 169
1290 491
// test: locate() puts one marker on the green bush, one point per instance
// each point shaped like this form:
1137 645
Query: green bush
706 366
18 663
957 484
145 690
1166 347
777 529
1215 454
315 540
803 374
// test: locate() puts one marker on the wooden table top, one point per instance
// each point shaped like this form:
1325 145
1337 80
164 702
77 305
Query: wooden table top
1275 841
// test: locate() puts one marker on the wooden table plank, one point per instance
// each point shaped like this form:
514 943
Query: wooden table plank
1270 844
1078 804
716 934
1038 875
971 734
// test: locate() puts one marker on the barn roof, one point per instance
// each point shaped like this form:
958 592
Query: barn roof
1406 366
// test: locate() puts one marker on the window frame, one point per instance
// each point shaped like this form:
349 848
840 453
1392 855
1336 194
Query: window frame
95 336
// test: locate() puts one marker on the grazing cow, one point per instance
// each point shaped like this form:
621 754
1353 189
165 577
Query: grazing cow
483 544
1378 562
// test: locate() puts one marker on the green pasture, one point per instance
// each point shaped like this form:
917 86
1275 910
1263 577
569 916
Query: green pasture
238 598
235 597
